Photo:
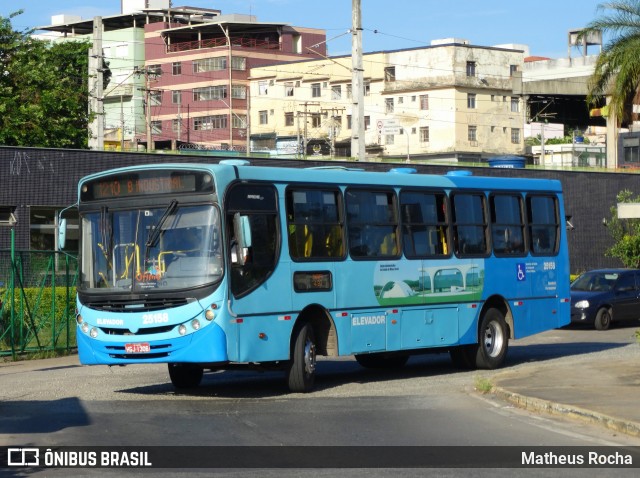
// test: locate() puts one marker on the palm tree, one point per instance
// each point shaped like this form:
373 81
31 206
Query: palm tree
617 70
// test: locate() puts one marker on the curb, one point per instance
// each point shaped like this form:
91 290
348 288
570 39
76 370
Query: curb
569 411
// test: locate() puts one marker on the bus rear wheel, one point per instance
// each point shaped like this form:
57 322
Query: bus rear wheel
301 370
185 375
491 349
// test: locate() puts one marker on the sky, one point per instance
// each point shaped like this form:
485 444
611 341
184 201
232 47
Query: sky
542 25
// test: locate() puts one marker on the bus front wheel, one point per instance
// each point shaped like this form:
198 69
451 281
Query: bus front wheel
185 375
301 371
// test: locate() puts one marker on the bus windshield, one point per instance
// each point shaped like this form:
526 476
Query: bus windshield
150 249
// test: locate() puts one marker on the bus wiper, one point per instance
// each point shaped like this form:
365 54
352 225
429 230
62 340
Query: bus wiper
154 235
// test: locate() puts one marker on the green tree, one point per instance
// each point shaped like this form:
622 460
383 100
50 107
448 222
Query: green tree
617 70
625 233
43 90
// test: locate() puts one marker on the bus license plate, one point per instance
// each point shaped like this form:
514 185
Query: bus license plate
140 348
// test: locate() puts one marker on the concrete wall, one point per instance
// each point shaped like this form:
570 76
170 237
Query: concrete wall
49 177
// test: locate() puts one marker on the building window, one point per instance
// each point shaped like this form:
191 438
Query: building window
154 70
472 133
210 64
176 125
367 88
288 88
43 225
367 122
388 103
336 92
515 135
315 90
348 121
424 102
176 68
156 127
239 121
471 68
264 117
424 134
207 123
210 93
263 88
316 120
349 91
238 63
515 104
471 100
155 97
513 69
390 73
176 97
239 92
288 119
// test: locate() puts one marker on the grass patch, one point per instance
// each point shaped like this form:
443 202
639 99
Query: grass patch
483 385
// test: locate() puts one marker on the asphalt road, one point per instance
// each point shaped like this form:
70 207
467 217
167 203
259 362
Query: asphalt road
57 402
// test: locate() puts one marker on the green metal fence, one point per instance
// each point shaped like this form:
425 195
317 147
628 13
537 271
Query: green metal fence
37 302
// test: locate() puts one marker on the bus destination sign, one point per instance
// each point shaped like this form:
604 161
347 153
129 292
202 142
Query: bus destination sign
146 183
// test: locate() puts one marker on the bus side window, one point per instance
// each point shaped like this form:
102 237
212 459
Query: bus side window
544 223
424 223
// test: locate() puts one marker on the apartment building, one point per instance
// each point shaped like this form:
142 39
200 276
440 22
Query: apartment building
122 46
450 101
197 77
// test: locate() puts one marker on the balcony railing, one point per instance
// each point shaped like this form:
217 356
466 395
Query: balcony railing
218 42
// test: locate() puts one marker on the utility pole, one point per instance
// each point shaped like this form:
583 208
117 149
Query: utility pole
96 110
121 125
357 82
147 90
305 113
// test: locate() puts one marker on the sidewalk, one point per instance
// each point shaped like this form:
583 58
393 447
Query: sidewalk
597 389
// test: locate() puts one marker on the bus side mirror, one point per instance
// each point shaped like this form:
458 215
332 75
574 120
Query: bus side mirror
242 233
62 233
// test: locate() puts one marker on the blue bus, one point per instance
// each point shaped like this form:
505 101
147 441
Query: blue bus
209 267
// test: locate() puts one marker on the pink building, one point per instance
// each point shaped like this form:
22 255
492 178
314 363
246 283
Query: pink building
197 76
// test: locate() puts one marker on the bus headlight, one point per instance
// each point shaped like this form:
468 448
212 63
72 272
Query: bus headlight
79 319
182 330
582 304
85 327
93 333
195 324
209 315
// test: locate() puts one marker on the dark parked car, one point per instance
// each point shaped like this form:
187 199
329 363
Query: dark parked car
600 297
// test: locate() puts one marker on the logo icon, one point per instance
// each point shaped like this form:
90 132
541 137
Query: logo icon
521 274
23 457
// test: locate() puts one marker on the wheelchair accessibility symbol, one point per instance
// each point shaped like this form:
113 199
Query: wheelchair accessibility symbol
522 276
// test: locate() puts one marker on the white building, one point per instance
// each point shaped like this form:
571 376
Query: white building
449 101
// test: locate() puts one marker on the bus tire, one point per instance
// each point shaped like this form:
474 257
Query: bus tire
301 370
185 375
382 360
493 340
603 319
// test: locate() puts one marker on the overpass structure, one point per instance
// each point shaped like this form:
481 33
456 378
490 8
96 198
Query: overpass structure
557 89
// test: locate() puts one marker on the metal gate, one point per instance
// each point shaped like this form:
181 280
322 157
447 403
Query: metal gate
37 302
